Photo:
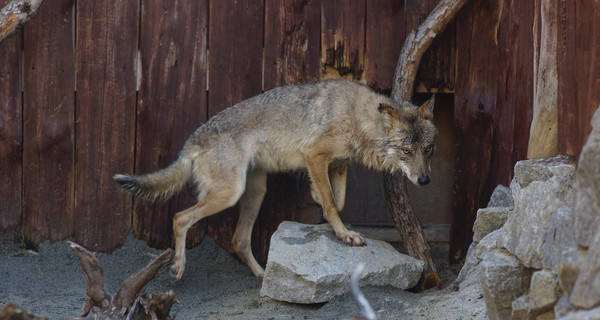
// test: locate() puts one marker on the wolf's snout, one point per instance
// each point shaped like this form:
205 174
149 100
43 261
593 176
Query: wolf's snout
423 180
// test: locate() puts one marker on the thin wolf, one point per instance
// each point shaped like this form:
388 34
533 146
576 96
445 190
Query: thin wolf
319 127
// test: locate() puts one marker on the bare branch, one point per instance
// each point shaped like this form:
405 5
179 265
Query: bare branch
415 45
94 279
129 288
15 14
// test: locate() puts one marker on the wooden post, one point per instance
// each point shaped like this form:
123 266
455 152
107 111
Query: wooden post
408 225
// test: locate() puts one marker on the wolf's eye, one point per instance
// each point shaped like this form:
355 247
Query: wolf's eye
428 149
405 151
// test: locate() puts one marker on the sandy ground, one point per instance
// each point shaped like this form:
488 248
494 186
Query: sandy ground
215 285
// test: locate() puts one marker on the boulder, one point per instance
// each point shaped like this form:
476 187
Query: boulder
587 195
586 292
540 187
501 197
489 219
308 264
503 280
543 291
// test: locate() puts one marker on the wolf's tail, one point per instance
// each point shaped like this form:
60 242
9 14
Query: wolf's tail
161 184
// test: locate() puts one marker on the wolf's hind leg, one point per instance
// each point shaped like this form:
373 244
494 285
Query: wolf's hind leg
256 187
220 197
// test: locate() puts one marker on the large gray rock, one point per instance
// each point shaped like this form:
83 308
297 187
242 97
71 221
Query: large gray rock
503 280
308 264
540 187
587 195
543 291
488 219
586 292
501 197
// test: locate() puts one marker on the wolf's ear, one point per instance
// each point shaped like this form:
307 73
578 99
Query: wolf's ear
426 109
386 108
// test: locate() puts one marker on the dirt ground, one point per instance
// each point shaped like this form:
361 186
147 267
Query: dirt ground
215 285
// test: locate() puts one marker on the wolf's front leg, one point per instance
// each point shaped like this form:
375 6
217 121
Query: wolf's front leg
321 188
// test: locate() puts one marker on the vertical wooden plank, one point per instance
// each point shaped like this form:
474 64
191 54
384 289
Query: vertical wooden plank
342 39
291 56
578 72
48 123
291 42
171 105
106 47
384 40
235 74
515 89
11 132
474 107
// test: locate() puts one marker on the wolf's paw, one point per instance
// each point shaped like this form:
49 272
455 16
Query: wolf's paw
177 270
351 238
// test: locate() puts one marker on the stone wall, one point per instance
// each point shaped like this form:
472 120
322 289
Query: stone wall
537 256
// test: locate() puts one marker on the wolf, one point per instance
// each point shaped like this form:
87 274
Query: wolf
319 127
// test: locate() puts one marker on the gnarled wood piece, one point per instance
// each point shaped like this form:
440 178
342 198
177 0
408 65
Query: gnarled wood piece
12 311
408 225
128 303
132 285
94 279
15 14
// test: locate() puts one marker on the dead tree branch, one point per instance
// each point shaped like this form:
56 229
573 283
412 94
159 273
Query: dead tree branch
128 302
15 14
415 45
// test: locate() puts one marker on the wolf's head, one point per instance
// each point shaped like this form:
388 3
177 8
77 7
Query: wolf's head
409 139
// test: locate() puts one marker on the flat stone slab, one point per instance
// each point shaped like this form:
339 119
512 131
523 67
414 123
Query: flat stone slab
308 264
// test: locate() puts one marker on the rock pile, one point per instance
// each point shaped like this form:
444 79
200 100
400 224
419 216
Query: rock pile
538 256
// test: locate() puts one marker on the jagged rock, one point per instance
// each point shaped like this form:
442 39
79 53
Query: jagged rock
540 187
475 254
503 280
520 308
308 264
593 314
488 220
587 194
501 197
559 240
527 171
586 292
543 291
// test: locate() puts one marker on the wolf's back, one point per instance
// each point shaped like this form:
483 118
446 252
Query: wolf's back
160 184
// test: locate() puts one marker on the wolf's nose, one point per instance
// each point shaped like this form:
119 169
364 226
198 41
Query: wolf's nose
423 180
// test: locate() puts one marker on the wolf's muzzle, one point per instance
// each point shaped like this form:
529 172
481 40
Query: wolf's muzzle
423 180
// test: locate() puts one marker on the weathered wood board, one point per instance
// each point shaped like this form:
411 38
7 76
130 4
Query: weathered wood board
48 128
171 105
235 64
105 120
11 129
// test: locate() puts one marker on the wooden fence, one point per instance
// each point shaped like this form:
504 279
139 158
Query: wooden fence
93 88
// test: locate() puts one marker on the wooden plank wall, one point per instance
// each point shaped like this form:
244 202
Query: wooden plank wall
578 72
171 103
116 86
11 138
106 46
48 123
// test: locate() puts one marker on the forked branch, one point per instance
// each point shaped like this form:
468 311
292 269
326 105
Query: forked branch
415 45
